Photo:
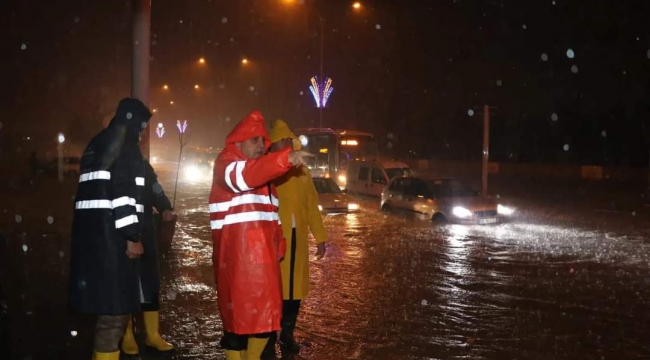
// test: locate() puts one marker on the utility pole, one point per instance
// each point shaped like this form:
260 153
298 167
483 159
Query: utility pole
140 63
322 42
486 147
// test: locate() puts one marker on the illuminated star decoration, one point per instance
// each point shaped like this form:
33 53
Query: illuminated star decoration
321 92
181 127
160 130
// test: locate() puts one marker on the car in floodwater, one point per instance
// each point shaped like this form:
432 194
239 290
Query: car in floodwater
331 199
442 200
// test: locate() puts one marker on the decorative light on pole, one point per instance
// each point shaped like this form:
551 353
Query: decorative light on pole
181 126
160 130
59 150
321 92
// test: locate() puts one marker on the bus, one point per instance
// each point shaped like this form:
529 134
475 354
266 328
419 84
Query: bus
334 149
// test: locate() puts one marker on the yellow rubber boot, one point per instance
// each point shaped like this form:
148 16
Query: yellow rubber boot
107 356
255 348
129 345
151 325
234 355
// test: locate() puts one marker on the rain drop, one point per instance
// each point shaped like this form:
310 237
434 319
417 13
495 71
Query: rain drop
180 21
570 54
0 126
554 117
648 54
553 2
171 295
50 220
73 333
224 20
23 47
25 248
470 112
252 88
634 213
424 303
77 19
499 82
377 26
61 254
222 86
544 57
18 218
232 39
301 93
566 147
498 196
524 27
574 69
603 133
489 258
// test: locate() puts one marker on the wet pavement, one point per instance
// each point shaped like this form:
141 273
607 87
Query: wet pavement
555 283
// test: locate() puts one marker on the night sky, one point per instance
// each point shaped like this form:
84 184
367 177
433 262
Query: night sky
569 78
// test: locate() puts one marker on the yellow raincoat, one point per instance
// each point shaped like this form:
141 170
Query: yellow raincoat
299 208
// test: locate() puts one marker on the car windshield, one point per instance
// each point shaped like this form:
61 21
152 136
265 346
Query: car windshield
326 186
395 172
450 188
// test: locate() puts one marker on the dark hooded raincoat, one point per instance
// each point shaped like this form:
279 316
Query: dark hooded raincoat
108 212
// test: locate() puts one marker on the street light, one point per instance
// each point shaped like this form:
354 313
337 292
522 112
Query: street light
196 86
356 6
201 61
244 61
59 150
171 102
165 87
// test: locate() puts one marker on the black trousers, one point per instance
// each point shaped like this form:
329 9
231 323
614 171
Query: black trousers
237 342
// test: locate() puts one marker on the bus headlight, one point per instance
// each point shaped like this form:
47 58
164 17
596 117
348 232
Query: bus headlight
353 207
342 179
504 210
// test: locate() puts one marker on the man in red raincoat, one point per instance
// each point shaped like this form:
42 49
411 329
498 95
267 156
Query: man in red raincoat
247 237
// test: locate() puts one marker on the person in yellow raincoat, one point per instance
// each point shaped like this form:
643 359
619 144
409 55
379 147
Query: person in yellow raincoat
299 214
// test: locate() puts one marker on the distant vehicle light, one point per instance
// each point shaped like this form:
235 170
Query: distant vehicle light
154 159
342 178
303 140
320 208
349 142
323 151
353 206
192 173
461 212
504 210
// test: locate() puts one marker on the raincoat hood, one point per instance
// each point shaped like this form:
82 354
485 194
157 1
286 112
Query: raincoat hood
133 116
251 126
280 130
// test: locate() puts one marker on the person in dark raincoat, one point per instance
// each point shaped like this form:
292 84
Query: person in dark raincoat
107 228
153 197
247 237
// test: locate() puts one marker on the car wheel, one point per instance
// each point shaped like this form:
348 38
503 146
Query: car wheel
439 218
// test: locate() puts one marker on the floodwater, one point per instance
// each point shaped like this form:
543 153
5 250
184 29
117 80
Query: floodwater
390 287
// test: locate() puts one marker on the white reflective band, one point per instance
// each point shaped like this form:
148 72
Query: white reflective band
95 175
229 170
126 221
244 217
93 204
139 208
139 181
240 176
124 200
241 200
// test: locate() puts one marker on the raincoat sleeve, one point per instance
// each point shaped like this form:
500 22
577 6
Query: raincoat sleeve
245 175
124 201
315 217
160 200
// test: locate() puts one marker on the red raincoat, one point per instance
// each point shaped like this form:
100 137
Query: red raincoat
246 232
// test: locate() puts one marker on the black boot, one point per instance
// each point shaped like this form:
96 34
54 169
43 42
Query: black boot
269 350
288 343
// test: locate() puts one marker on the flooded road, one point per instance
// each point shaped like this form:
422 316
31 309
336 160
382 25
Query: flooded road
396 287
390 287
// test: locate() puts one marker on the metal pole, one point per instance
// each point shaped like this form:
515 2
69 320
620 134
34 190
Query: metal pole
59 151
322 41
486 147
141 55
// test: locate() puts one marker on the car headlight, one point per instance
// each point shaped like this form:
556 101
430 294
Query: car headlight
353 206
192 173
461 212
320 208
504 210
342 178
